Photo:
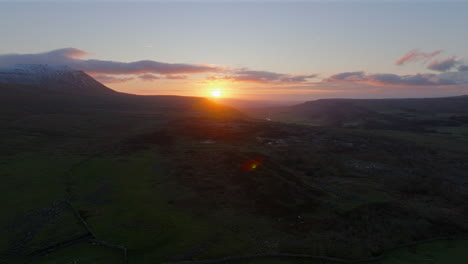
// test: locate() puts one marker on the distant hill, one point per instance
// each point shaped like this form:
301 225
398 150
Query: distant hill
61 79
254 104
41 88
373 113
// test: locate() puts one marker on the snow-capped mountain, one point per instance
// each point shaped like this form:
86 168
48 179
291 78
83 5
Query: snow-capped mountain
59 78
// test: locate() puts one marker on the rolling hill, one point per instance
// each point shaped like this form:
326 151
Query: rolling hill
397 114
60 89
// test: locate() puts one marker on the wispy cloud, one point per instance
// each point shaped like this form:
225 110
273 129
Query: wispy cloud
441 65
416 55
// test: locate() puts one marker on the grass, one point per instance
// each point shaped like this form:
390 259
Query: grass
460 132
437 252
128 204
40 215
189 200
82 253
125 200
427 139
446 252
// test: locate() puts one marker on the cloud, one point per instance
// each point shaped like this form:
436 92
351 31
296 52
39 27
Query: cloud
60 56
463 68
265 77
255 76
104 78
390 79
460 77
111 79
360 90
297 78
176 77
149 77
411 80
416 55
351 76
443 65
147 70
72 58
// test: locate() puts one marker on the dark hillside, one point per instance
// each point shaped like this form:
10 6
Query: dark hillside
397 114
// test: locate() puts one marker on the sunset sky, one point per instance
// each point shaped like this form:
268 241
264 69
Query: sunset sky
278 50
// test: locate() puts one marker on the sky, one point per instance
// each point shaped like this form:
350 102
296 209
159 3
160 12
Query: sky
272 50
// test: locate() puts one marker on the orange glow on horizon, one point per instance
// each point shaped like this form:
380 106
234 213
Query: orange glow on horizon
216 93
217 88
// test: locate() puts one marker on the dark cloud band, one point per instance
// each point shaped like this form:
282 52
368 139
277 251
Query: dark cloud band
72 58
266 77
390 79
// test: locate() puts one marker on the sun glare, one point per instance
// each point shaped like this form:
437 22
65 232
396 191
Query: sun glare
216 93
216 89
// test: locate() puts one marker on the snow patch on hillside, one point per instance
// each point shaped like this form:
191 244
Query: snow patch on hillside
33 73
52 77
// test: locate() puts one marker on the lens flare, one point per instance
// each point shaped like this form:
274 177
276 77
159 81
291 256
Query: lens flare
252 165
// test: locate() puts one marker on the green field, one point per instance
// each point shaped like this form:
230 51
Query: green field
210 183
439 252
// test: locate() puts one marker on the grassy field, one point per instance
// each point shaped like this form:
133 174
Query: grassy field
453 142
178 187
438 252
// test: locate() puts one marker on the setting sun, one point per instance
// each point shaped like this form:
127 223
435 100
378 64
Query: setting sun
216 93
